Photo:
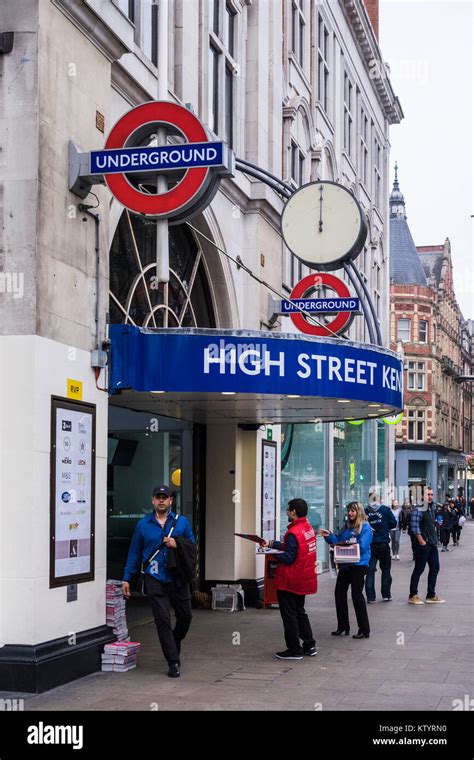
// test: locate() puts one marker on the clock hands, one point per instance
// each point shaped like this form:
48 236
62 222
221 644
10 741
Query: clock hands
320 208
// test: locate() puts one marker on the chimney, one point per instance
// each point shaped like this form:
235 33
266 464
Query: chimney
372 8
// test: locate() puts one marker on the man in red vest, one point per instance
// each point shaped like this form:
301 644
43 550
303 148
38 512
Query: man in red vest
295 577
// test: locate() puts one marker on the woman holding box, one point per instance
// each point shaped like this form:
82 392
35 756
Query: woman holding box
353 575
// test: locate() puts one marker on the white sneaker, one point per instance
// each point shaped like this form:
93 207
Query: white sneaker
397 557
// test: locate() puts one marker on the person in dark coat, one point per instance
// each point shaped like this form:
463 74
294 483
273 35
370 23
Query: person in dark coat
446 525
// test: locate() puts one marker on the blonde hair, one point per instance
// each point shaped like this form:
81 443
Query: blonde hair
361 516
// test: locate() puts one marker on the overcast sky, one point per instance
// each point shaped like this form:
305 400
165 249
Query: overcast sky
429 47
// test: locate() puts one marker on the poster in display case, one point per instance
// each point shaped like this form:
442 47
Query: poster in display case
72 492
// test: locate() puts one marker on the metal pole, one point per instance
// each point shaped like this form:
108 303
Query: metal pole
162 242
369 301
357 289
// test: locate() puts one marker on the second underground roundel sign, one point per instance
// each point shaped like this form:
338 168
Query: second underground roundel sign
308 285
195 181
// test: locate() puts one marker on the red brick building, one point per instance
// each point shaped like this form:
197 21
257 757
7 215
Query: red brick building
426 323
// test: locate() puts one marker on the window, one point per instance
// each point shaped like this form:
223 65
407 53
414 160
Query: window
364 147
416 425
297 30
323 67
229 29
297 164
416 376
377 288
127 7
222 68
229 107
423 331
348 88
214 13
377 173
404 330
213 89
148 13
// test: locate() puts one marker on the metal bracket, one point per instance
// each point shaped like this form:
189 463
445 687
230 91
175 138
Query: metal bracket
80 179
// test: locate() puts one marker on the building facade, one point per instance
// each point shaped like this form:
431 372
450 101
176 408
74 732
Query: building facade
297 88
435 434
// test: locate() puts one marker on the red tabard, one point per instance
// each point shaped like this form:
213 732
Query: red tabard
300 577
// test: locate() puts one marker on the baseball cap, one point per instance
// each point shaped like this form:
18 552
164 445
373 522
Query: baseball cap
161 490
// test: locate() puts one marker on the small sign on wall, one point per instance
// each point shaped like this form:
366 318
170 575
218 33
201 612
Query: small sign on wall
74 389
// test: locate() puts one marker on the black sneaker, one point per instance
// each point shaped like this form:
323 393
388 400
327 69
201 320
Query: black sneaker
311 652
370 601
173 670
288 655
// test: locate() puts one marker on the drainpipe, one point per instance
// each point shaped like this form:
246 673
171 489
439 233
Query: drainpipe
97 220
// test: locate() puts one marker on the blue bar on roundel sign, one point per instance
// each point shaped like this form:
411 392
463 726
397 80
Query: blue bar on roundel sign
320 305
152 159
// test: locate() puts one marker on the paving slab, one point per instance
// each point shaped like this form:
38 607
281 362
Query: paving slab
417 658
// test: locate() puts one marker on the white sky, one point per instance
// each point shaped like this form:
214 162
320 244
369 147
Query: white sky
429 45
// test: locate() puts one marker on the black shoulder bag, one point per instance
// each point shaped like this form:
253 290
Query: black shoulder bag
141 583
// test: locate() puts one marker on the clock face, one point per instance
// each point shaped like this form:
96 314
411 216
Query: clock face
323 225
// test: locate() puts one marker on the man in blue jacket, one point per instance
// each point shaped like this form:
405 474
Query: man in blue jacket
151 533
381 520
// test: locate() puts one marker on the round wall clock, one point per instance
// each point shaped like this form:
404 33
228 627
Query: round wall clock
324 225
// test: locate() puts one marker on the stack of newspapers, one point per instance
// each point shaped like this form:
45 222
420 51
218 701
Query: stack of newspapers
120 656
115 609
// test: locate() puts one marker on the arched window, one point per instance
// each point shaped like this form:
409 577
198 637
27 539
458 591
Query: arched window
136 296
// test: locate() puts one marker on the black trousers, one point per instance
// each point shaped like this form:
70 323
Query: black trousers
445 534
353 577
295 622
425 554
163 597
379 552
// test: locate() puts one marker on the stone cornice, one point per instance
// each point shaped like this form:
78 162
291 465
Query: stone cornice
94 28
363 34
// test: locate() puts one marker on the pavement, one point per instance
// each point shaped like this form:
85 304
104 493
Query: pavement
417 657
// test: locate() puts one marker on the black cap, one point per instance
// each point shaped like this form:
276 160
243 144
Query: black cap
161 489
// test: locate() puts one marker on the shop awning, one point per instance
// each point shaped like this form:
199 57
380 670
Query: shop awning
243 376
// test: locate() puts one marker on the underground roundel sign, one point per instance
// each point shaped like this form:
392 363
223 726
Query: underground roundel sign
304 296
130 164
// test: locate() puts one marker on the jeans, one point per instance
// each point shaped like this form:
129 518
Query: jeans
295 622
425 554
163 597
379 552
353 577
395 539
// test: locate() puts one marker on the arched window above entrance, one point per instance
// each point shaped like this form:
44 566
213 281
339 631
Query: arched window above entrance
136 296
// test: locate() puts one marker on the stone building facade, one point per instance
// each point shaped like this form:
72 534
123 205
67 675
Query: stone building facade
435 433
290 86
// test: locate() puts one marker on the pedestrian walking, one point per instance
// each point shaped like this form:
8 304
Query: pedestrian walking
352 575
164 588
471 507
295 577
406 524
446 525
459 519
423 527
381 520
395 532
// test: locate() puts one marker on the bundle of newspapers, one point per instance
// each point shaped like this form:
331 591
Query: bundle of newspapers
120 656
115 609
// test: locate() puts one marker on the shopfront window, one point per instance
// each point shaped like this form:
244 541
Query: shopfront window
143 451
303 475
381 453
354 469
